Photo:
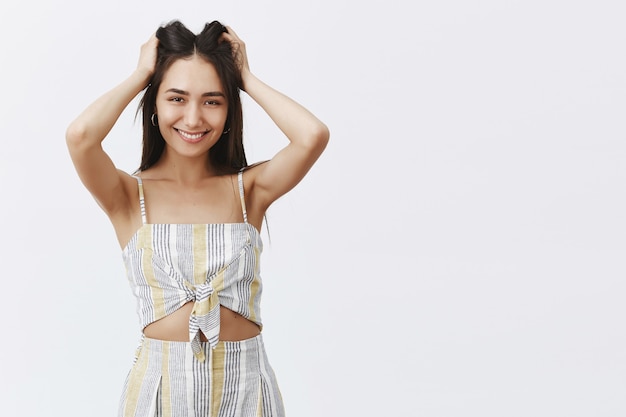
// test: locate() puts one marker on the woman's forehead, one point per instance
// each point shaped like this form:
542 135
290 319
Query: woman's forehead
194 75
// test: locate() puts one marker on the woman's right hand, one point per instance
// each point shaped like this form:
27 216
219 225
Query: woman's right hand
148 57
239 53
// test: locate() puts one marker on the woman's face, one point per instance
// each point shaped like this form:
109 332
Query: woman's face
191 107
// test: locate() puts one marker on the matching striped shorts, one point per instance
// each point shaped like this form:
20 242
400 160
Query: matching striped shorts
167 380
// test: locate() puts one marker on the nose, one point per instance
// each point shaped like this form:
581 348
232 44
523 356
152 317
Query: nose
193 116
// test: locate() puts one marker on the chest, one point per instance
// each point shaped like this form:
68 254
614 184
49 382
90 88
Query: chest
215 202
195 253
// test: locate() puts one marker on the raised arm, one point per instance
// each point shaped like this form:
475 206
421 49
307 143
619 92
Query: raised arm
307 135
84 136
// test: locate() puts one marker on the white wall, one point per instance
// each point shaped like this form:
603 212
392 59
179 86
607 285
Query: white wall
457 251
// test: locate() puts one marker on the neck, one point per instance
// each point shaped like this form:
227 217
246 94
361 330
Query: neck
184 170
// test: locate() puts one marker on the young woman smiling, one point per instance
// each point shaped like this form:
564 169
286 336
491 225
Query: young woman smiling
188 220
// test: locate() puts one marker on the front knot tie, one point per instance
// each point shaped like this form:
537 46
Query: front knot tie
205 318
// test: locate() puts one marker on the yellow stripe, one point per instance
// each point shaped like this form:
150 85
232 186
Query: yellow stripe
158 299
217 378
259 406
136 377
200 256
166 390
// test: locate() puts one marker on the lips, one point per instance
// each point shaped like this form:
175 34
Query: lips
191 137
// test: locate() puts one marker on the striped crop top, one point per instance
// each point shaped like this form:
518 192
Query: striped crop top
169 265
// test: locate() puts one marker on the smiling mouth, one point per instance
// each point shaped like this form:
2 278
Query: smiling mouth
191 137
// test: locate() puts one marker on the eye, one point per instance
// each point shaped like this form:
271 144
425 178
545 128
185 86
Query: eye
176 99
212 103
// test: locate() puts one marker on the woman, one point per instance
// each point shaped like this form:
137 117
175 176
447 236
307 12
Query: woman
188 221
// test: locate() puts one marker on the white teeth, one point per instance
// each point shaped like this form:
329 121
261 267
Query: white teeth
190 136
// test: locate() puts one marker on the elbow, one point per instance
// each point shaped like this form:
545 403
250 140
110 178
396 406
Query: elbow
75 136
324 134
320 136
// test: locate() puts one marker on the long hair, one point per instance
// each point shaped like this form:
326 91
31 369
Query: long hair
176 42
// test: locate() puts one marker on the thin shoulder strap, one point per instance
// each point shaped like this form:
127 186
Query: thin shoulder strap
142 202
241 196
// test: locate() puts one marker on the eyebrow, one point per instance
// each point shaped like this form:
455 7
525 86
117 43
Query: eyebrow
186 93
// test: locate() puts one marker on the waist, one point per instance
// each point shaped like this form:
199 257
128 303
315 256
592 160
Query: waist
157 347
175 326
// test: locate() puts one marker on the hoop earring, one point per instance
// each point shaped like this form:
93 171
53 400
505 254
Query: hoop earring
155 124
226 131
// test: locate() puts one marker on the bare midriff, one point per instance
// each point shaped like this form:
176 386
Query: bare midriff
175 326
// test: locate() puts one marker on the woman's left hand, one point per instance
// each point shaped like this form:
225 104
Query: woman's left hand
239 52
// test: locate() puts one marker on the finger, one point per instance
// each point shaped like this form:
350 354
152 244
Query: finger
225 36
153 42
232 33
153 38
235 42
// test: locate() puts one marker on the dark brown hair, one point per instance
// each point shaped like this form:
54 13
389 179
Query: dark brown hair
176 42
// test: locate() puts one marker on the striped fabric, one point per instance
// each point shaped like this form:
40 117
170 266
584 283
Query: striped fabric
168 381
169 265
